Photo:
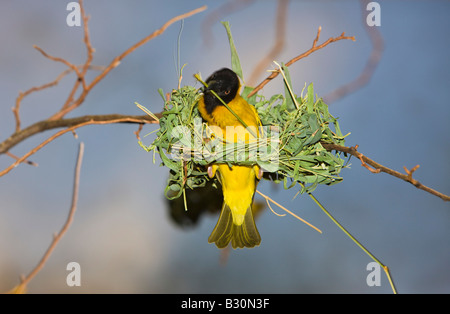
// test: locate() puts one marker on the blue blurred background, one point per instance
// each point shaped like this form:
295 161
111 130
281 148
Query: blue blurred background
122 235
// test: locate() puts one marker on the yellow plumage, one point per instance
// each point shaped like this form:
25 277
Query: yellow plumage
236 222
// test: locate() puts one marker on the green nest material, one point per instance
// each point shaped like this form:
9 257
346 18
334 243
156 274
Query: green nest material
186 147
294 128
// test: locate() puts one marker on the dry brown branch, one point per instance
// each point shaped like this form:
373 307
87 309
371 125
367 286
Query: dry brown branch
138 132
301 56
56 120
45 125
280 32
372 63
69 106
87 41
55 82
107 119
286 210
380 168
31 163
57 237
71 66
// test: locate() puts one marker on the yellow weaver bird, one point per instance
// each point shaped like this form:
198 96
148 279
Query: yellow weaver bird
236 222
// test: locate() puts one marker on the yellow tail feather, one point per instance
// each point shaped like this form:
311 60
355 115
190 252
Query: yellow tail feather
244 235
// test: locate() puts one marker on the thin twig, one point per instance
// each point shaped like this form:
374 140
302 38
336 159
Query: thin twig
22 95
87 41
31 163
57 237
70 129
116 61
385 268
380 168
57 59
301 56
56 120
45 125
267 198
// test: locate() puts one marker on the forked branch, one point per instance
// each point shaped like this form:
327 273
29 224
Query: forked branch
376 168
71 103
314 47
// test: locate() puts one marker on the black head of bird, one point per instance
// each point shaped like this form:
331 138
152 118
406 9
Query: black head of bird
225 83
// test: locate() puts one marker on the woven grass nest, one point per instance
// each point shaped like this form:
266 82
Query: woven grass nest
294 128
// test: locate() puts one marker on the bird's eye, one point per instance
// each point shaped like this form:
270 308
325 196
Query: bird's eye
227 92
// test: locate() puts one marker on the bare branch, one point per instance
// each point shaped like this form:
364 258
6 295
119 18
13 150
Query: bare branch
380 168
57 59
55 82
301 56
87 41
286 210
108 119
45 125
31 163
57 237
56 120
116 61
